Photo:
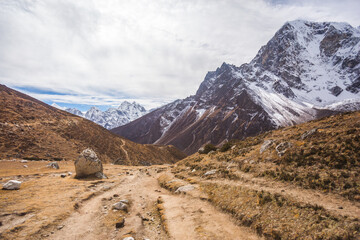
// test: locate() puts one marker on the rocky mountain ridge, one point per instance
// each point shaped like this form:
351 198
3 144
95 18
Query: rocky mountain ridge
305 71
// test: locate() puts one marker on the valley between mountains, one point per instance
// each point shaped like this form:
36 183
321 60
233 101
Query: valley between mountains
266 150
285 184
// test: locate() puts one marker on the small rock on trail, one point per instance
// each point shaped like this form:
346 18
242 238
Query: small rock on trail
185 189
128 238
121 223
54 165
120 206
12 185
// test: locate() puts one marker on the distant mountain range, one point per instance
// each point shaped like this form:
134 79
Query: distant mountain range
111 118
31 129
307 70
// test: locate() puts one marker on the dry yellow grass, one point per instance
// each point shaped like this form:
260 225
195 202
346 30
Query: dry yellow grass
321 171
31 129
44 199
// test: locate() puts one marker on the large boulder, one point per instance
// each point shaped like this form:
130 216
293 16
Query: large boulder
88 165
12 185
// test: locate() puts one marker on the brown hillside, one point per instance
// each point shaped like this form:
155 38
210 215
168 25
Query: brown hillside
31 129
304 185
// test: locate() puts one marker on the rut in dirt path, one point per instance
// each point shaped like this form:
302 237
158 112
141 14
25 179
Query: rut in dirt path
190 218
186 217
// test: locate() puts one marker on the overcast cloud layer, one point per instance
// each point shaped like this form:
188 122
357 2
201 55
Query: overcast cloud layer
98 52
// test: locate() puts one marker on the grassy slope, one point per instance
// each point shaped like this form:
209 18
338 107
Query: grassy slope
34 130
325 164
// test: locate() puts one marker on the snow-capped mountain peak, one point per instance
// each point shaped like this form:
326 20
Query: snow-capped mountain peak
112 117
305 68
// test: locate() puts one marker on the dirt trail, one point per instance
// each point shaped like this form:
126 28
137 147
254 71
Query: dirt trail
186 217
190 218
122 147
331 202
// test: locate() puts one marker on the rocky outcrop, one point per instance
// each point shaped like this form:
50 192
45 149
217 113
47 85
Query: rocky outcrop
266 145
89 165
282 147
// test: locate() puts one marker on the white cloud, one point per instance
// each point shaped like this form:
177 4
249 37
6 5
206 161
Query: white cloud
140 49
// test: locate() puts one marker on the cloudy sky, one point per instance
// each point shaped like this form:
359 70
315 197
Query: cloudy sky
100 52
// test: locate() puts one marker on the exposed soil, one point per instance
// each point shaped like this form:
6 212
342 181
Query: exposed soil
51 207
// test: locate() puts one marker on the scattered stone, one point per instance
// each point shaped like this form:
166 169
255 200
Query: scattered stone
88 164
185 189
100 175
69 173
121 223
63 175
116 195
194 170
308 133
266 145
60 227
251 161
25 166
128 238
340 207
12 185
233 147
124 201
54 165
24 161
76 206
282 148
52 232
1 224
211 152
211 172
120 206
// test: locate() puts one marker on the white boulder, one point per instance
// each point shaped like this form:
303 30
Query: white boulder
185 189
12 185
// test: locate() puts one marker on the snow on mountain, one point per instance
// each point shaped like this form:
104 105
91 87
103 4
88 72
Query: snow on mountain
57 106
75 111
305 69
113 117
